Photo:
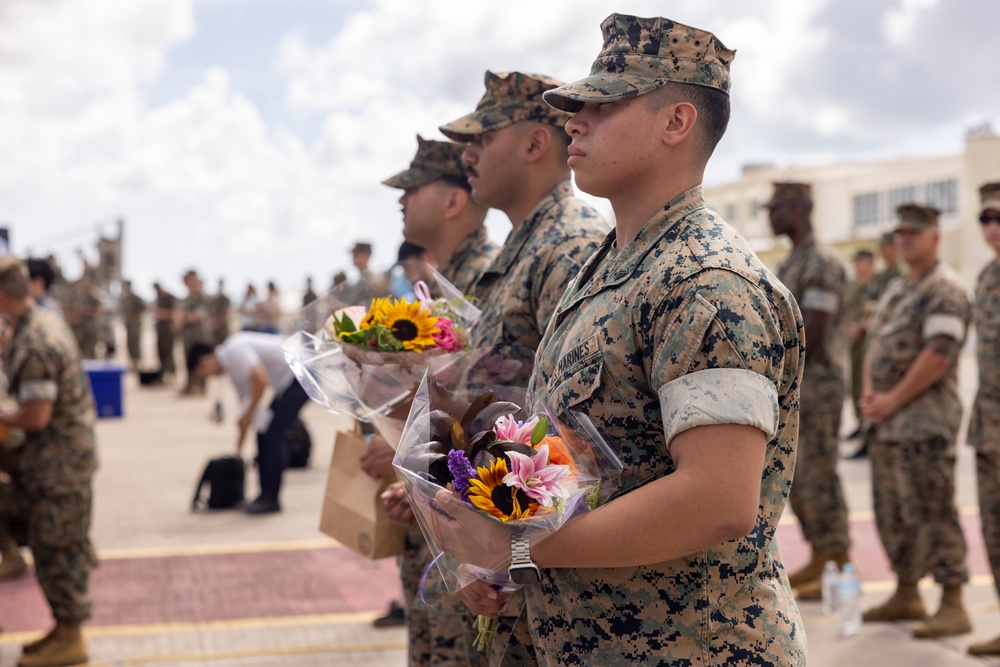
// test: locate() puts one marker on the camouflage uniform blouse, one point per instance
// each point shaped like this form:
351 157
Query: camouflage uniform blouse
43 363
984 428
684 327
818 281
519 291
196 302
905 319
470 259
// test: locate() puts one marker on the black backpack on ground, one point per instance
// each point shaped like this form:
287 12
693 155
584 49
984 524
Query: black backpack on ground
299 445
225 477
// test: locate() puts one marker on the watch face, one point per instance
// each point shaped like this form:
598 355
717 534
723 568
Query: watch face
524 574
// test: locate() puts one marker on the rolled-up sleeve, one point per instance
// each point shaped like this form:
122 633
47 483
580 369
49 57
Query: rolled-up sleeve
719 396
822 300
943 325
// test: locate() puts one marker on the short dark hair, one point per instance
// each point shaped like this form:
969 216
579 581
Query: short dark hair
864 254
39 268
456 182
195 354
712 104
407 251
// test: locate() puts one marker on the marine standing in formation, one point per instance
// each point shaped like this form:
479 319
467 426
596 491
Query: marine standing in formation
47 502
687 355
911 397
817 280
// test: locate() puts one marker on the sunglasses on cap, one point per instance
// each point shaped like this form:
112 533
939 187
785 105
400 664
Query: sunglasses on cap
987 218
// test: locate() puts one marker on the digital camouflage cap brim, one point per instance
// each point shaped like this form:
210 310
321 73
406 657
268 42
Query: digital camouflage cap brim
434 160
641 55
510 97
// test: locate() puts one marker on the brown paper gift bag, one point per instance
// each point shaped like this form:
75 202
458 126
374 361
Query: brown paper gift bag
353 513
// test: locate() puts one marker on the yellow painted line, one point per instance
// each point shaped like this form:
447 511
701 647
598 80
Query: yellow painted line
253 653
218 549
214 626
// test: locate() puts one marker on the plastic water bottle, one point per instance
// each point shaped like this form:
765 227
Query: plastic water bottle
849 600
829 584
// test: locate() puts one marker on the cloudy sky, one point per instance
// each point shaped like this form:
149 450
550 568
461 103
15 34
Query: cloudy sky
249 137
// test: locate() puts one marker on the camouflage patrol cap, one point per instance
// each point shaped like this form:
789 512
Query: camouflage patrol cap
917 217
434 160
510 98
641 55
989 195
13 276
789 191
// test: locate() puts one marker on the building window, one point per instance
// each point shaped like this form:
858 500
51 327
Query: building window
943 195
898 197
731 212
866 211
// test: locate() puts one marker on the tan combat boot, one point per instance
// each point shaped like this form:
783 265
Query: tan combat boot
950 619
32 647
11 564
65 647
904 605
991 647
811 572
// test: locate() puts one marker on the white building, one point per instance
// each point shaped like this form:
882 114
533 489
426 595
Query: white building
854 203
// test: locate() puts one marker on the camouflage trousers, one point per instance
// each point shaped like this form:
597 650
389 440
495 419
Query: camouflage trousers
132 335
165 346
87 335
440 630
988 482
913 486
817 497
57 529
190 338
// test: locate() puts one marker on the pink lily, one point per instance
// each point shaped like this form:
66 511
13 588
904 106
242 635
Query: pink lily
508 428
533 475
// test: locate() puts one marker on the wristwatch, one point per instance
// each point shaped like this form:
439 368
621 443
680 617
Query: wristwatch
522 570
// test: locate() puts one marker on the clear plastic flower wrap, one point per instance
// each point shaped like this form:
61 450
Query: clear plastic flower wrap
364 357
470 436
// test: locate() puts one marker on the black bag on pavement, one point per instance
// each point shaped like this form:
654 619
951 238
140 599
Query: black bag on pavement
225 478
299 445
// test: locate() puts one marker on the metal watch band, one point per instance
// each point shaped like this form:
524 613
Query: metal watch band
520 548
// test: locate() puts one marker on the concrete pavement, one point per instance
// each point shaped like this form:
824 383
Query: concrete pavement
177 588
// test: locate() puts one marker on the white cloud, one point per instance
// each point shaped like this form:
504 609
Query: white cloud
900 22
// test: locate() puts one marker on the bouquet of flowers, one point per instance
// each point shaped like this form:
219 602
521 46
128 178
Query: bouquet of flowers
526 471
366 359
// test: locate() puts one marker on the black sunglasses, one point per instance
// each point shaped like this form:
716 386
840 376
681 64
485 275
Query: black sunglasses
987 218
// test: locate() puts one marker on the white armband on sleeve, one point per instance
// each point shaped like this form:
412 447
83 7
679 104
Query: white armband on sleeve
944 325
821 300
38 390
719 396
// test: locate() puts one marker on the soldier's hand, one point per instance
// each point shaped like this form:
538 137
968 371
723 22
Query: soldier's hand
467 535
377 461
482 599
397 506
878 407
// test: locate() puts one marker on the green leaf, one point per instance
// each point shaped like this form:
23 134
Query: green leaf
540 431
347 324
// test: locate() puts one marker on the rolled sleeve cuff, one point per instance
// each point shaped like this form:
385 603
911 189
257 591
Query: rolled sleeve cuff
719 396
944 325
821 300
37 390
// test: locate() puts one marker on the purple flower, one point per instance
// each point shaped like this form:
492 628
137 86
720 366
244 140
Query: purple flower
461 471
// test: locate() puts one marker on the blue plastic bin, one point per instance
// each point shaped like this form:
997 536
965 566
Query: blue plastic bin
106 383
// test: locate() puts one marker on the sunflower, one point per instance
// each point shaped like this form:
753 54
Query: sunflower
490 494
410 323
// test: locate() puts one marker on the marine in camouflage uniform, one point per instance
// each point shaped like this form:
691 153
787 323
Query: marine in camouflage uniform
218 311
673 333
85 308
195 326
858 307
911 397
440 216
984 427
553 234
166 304
49 492
818 281
133 308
